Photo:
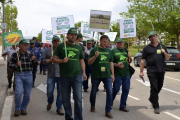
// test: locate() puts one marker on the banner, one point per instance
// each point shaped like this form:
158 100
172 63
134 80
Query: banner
111 35
85 31
61 25
99 21
47 36
12 38
127 27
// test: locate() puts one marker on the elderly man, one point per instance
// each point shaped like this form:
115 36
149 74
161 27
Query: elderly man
24 78
70 71
53 77
37 53
103 70
9 51
121 71
155 55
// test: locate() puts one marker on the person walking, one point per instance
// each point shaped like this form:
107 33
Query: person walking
42 65
155 55
70 71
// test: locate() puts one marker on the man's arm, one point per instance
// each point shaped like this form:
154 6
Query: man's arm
112 71
167 56
55 59
142 68
91 60
13 61
83 68
5 52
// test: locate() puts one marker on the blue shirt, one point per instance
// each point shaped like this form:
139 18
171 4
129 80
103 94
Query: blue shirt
37 44
42 50
36 52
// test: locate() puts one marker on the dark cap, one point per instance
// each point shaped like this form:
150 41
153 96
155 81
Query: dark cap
32 41
23 41
55 38
79 35
152 33
89 41
33 38
72 30
118 39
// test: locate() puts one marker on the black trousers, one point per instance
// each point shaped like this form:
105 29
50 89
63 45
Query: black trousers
156 82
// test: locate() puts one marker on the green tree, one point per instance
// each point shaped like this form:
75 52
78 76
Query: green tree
11 13
39 37
164 14
78 24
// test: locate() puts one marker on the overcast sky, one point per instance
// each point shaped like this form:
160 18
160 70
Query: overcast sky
35 15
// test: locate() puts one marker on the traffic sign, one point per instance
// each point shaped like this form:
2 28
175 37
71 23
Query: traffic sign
4 25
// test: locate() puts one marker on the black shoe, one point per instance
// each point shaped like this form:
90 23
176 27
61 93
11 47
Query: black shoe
97 90
104 90
17 113
85 90
40 72
123 109
44 73
156 111
23 112
48 106
60 112
14 88
150 102
9 86
33 86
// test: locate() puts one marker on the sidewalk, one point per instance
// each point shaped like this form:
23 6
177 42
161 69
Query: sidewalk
3 80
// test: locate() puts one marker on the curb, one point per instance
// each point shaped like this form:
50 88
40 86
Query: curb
3 93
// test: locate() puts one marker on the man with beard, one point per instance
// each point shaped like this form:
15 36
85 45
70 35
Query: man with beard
70 71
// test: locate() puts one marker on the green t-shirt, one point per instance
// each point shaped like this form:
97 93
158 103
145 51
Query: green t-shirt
101 66
72 68
120 55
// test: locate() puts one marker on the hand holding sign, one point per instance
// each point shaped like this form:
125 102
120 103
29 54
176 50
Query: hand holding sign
96 54
19 63
33 58
65 60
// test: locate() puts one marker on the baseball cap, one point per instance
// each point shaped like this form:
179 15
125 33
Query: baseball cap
152 33
89 41
23 41
32 41
118 39
79 35
72 30
55 38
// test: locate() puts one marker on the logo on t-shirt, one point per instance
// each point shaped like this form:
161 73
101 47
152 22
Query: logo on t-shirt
158 51
71 54
103 57
123 58
103 69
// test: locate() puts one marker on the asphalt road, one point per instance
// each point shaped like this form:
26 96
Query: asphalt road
138 104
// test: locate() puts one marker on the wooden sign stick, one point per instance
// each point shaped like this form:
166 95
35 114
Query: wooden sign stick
18 57
128 50
65 45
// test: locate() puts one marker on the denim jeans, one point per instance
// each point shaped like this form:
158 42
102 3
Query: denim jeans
108 86
76 84
125 81
50 91
34 73
23 82
88 72
42 67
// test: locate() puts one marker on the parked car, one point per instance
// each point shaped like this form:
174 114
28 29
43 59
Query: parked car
172 63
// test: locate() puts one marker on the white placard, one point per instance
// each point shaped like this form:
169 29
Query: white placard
127 27
111 35
85 31
96 36
99 21
61 25
47 36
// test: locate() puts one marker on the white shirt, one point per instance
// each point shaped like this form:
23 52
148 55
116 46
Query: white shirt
88 51
10 50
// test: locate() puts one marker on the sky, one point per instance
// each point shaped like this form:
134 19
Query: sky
35 15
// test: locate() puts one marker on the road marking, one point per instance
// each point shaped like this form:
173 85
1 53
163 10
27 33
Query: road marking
171 90
131 96
42 87
172 78
174 116
6 113
146 83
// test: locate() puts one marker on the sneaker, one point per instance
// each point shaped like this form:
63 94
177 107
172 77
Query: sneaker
109 115
33 86
23 112
123 109
156 111
48 106
60 112
16 113
44 73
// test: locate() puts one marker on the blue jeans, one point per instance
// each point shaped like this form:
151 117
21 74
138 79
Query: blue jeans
34 73
43 67
50 91
76 84
23 81
88 72
108 86
125 89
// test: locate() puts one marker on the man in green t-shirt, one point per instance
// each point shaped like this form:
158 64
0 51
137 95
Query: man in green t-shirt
121 71
103 70
70 72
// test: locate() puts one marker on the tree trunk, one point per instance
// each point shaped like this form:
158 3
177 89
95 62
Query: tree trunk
177 40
